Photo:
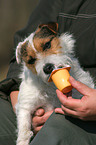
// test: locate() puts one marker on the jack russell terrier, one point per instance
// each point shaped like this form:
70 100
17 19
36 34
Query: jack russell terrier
40 53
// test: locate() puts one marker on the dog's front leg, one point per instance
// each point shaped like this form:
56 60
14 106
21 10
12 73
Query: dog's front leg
24 127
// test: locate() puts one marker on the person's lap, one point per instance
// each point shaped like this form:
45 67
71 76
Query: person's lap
61 130
7 123
58 130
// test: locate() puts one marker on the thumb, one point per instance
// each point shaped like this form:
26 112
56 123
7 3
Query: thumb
39 112
80 87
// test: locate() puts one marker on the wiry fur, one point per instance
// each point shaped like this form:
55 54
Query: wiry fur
36 91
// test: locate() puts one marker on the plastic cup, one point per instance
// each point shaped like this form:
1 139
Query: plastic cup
60 77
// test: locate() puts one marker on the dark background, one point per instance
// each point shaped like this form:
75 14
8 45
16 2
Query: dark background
14 15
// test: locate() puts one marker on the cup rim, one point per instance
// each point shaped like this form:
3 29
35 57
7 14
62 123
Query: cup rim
55 70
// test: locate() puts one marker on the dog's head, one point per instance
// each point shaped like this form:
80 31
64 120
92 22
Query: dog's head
44 50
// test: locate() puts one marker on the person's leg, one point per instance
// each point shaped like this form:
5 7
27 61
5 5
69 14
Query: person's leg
7 124
61 130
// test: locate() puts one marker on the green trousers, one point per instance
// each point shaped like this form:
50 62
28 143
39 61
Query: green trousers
61 130
7 123
58 130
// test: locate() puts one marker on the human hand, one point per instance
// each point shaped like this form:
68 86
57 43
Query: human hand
85 108
14 98
39 118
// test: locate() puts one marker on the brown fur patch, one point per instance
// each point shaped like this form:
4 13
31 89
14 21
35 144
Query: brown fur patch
52 26
40 42
32 68
29 53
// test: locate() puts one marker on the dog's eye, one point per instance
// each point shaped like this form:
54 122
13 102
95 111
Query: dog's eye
31 60
47 45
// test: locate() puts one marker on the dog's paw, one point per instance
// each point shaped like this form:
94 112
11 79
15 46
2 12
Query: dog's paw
23 143
25 138
28 134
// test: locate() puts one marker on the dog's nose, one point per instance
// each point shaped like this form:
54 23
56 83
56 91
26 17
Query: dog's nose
48 68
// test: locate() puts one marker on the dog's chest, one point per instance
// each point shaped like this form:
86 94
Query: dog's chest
38 94
47 95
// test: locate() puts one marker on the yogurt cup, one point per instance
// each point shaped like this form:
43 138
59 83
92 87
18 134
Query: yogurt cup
60 77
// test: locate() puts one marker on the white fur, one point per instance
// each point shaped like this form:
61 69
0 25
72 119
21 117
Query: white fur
35 91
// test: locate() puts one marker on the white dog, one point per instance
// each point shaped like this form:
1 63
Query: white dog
40 53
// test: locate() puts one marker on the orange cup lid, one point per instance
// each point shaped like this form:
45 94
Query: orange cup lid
55 70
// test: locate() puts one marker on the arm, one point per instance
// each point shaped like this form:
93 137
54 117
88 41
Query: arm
14 97
84 108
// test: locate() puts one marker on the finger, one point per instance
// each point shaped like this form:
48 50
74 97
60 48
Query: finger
62 97
80 87
69 112
46 116
39 112
39 120
37 129
68 102
63 110
59 110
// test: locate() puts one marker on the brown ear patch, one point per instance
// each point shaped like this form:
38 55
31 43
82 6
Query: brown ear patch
45 30
23 49
29 56
27 53
53 26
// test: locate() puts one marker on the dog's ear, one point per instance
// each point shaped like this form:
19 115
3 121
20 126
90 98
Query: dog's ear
53 26
21 51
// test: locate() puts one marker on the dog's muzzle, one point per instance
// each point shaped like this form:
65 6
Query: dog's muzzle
48 68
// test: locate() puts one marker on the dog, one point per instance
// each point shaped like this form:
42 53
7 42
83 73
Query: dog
40 53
